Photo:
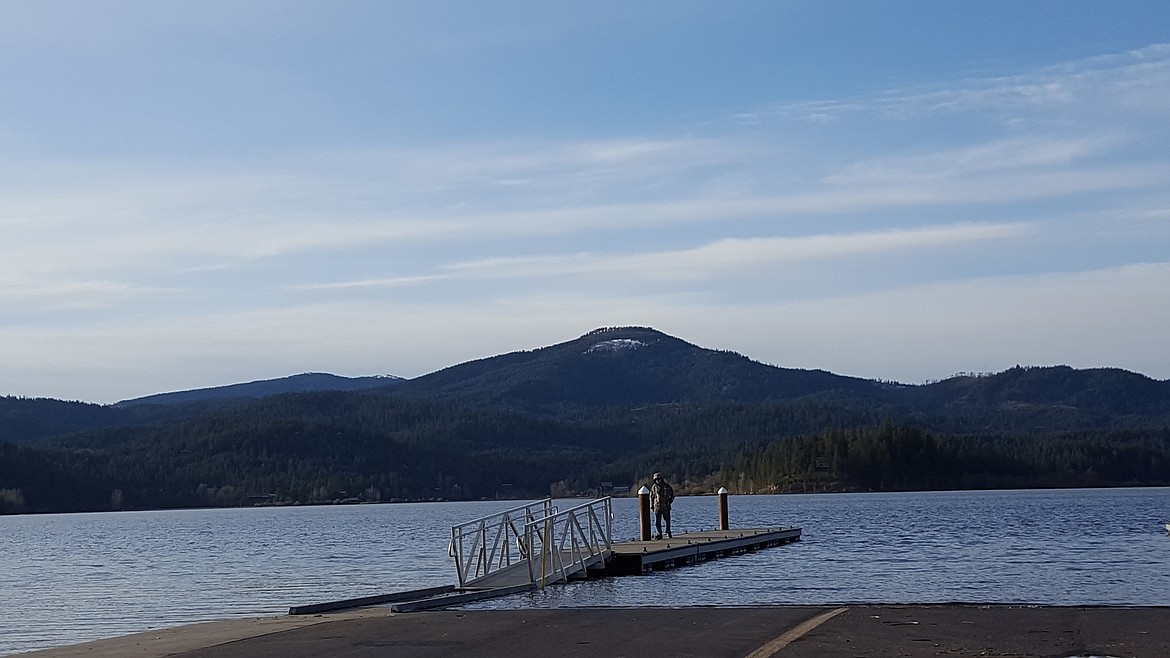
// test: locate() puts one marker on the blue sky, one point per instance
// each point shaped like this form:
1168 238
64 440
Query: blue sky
195 194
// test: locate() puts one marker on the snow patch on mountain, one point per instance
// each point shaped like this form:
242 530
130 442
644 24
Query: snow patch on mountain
617 345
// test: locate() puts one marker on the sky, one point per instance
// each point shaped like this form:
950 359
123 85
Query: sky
203 193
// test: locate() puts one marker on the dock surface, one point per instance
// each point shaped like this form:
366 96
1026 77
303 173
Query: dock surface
860 631
635 557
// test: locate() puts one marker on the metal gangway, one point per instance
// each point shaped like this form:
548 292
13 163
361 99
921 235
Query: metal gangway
535 544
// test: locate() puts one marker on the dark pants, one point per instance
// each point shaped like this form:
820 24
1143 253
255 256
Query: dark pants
658 517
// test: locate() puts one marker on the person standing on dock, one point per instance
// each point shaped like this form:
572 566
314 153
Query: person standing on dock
661 497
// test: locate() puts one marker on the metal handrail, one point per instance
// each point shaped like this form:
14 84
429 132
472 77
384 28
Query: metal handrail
495 541
562 543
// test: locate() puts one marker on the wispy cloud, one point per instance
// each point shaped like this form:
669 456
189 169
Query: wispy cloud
25 296
1000 156
168 227
394 282
733 254
1137 81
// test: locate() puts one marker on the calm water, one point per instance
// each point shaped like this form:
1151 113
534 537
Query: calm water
76 577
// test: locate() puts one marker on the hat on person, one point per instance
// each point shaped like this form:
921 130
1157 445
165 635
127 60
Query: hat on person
657 476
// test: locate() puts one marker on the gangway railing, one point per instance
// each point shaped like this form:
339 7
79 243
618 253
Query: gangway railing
564 543
496 541
533 543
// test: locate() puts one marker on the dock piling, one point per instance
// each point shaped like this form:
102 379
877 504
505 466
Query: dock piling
644 513
723 524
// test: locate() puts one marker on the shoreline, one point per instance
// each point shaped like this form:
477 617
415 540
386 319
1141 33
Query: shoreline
633 496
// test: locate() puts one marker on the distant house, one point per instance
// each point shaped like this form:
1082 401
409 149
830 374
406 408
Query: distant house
610 489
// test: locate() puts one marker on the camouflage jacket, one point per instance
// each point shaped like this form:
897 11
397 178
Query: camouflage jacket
661 496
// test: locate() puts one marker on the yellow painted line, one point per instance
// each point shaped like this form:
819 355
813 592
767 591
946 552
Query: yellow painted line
796 632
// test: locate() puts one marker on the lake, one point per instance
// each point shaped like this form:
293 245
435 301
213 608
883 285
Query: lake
69 578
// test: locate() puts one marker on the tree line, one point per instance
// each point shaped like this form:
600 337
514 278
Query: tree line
333 447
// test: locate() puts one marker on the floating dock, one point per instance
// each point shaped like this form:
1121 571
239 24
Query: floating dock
537 545
638 557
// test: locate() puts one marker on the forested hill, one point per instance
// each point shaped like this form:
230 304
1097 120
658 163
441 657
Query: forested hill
304 383
610 406
624 367
635 367
29 419
632 367
1039 400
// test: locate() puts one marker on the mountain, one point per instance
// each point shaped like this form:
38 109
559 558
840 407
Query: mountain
303 383
609 406
1040 399
627 368
636 367
623 367
29 419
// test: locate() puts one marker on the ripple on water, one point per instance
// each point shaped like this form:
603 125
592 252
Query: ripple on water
71 578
